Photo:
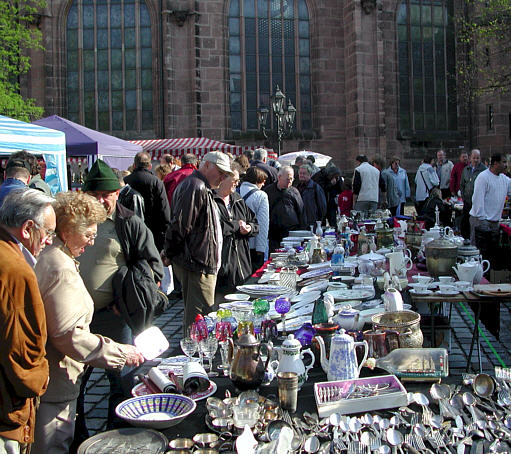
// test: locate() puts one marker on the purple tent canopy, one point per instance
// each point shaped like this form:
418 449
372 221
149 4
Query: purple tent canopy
82 141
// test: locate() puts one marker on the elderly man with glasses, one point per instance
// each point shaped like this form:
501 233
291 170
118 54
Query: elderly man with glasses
27 225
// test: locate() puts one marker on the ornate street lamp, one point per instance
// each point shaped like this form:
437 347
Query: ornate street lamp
285 118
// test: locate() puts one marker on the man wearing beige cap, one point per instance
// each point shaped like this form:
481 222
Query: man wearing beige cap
194 238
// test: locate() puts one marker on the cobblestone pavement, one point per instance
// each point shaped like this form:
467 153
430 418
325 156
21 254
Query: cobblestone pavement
459 338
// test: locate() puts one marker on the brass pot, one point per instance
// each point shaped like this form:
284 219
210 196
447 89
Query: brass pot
441 256
406 323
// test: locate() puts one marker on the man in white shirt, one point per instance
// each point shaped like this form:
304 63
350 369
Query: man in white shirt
490 190
367 184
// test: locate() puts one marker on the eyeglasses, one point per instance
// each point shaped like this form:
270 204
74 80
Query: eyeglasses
90 236
49 234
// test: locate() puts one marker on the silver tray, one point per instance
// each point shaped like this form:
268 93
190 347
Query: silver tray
130 440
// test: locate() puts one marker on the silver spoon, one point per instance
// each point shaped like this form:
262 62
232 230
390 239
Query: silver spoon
395 438
311 444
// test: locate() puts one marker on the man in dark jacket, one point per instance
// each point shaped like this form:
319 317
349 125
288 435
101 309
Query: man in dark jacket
193 242
156 204
329 178
101 261
260 158
286 207
313 196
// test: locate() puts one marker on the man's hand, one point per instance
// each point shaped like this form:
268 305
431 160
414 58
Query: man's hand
164 259
245 228
133 356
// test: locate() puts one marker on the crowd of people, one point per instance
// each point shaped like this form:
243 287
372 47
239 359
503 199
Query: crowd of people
68 263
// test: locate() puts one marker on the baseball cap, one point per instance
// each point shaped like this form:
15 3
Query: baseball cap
221 160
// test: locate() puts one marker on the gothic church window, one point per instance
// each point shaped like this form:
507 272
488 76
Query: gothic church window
269 45
426 53
109 65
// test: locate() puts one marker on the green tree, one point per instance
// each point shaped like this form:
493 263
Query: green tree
18 33
483 32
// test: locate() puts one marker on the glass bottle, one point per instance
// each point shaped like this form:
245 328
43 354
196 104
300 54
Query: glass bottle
319 313
416 363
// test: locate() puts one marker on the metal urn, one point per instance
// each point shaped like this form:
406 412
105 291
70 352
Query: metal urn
441 255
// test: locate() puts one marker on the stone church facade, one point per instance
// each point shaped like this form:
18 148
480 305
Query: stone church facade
374 77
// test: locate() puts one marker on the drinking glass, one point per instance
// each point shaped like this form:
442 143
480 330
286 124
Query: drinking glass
208 347
260 307
189 346
198 332
282 306
223 332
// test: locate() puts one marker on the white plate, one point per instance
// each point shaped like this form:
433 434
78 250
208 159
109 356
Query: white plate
427 292
295 233
447 293
142 390
267 277
316 272
305 298
293 324
351 303
321 285
313 266
236 305
175 364
237 297
430 286
345 295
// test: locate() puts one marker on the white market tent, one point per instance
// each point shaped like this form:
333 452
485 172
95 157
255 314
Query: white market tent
289 158
17 135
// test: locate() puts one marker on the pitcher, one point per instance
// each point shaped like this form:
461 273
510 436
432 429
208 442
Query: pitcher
290 358
399 263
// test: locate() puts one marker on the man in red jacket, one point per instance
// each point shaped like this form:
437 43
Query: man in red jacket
456 172
171 181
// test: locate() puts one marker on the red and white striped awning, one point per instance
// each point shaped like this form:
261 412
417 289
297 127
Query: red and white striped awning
194 145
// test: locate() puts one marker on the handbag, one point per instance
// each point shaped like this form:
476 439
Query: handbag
136 294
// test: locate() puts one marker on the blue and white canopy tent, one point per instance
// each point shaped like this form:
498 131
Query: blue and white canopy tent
17 135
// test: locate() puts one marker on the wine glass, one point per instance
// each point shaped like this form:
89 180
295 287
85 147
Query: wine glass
208 347
282 306
223 332
189 346
198 332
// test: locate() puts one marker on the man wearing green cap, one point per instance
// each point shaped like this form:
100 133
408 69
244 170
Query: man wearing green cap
100 263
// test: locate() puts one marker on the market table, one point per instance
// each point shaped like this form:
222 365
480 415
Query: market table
462 298
196 423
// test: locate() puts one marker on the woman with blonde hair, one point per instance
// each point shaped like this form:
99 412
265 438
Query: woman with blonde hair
69 309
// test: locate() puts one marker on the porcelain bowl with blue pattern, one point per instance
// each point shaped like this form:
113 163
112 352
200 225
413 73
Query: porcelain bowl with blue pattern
156 411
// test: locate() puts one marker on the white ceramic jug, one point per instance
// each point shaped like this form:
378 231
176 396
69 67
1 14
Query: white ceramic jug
399 263
482 267
392 300
466 271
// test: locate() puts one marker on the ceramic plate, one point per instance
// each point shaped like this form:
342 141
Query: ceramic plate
294 323
267 277
344 295
313 266
295 233
414 292
305 298
447 293
142 390
319 285
316 272
430 286
261 289
237 297
175 364
236 305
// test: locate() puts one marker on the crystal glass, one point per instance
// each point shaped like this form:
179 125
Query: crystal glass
223 332
189 346
198 332
260 307
282 306
208 347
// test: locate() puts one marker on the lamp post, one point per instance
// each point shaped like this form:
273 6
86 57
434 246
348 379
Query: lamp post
285 118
